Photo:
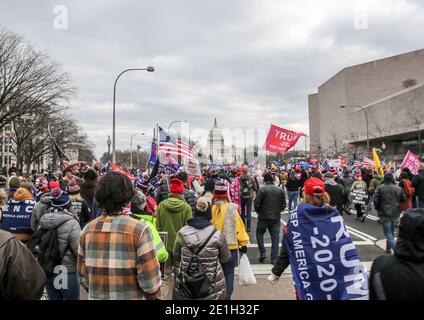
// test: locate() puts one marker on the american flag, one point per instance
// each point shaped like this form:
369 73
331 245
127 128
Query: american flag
366 163
174 147
324 166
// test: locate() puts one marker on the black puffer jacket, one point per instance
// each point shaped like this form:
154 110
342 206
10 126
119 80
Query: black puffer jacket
269 202
387 199
402 276
190 238
418 184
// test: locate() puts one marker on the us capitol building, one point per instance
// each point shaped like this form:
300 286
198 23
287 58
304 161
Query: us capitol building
217 152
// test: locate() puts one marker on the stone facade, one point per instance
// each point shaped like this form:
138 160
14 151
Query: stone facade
378 87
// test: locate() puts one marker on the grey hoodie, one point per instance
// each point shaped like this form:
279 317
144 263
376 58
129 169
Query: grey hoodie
39 209
68 232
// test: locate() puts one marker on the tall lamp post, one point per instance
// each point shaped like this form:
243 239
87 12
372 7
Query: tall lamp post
109 142
366 121
149 69
131 149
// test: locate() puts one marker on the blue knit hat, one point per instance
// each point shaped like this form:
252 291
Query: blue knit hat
60 199
388 177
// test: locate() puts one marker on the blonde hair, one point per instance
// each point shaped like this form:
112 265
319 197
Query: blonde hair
76 197
317 201
3 198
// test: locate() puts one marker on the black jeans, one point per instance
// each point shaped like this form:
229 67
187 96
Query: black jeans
273 227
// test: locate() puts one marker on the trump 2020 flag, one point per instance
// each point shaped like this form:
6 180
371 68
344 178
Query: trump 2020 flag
153 154
280 140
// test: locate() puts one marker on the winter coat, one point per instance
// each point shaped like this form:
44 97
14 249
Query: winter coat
338 196
21 277
418 184
375 183
162 192
88 190
215 252
248 183
409 191
160 249
172 215
269 202
68 232
401 276
347 183
39 209
387 199
293 184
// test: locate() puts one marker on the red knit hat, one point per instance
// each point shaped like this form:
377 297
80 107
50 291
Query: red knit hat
221 190
54 184
176 186
314 187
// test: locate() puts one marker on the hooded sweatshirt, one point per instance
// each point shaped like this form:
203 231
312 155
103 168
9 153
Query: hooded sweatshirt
68 232
172 215
402 276
17 213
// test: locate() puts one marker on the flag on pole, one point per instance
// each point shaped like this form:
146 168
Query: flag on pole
377 163
171 146
153 154
324 166
61 154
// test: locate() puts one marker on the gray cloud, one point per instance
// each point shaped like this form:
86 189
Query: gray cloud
248 63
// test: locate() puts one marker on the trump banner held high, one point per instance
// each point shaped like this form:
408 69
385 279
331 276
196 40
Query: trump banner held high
281 140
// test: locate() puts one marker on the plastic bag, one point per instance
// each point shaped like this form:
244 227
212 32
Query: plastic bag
246 276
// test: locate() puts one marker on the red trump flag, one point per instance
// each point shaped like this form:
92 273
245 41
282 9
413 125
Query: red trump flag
280 140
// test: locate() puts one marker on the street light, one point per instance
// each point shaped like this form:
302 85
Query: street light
109 142
366 120
149 69
142 133
177 121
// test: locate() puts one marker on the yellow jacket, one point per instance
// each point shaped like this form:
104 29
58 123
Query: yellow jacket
218 214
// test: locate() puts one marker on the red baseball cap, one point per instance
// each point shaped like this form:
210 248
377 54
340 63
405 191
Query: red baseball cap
314 187
176 186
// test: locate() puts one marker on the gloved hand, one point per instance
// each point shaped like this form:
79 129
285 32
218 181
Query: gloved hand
243 250
273 279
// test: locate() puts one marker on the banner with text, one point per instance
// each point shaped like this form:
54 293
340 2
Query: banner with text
411 161
280 140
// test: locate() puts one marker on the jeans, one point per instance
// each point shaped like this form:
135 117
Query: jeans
274 230
229 272
368 205
70 290
358 208
246 211
389 231
293 195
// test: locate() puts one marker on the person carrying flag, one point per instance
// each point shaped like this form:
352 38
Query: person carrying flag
316 244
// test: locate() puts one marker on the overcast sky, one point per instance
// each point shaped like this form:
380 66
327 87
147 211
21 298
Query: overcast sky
247 63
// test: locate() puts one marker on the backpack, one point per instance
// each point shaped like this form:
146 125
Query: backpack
194 282
245 189
44 245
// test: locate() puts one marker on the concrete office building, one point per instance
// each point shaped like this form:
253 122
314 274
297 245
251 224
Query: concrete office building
390 93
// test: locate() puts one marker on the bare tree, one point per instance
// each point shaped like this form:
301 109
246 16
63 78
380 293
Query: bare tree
28 79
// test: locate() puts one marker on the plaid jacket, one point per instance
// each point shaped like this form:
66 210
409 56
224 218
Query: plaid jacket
117 259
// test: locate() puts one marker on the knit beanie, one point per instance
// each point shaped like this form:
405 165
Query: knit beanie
221 190
60 199
176 186
14 183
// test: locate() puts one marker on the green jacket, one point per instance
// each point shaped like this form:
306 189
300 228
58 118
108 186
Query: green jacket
160 249
172 215
375 182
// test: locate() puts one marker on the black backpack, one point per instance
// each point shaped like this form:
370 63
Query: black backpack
44 245
194 282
